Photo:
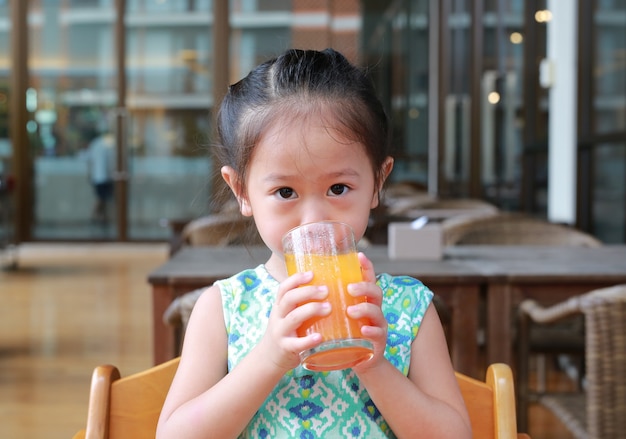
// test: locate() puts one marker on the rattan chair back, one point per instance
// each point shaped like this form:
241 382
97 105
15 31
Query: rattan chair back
220 229
511 229
598 411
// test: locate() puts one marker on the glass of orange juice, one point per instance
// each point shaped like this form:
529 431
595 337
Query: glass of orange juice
328 249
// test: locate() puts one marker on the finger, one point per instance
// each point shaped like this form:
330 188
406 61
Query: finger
294 281
367 268
291 299
374 332
299 344
304 312
368 311
369 290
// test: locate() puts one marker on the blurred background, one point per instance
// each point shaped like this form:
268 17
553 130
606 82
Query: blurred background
520 103
517 104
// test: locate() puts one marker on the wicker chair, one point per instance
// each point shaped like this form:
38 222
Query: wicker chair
220 229
598 410
228 227
511 229
178 312
518 229
401 206
443 208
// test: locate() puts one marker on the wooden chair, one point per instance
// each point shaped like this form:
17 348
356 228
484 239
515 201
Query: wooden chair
491 404
598 409
129 408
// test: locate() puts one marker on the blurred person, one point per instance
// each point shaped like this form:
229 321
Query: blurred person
101 166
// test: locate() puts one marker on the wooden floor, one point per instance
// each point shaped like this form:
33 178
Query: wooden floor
68 308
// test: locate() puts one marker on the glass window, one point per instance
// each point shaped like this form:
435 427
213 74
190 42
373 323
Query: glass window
501 102
609 192
170 103
5 65
396 47
6 207
72 90
167 6
169 84
255 45
274 5
610 67
169 61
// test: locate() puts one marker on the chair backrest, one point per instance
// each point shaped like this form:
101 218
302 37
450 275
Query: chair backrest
129 408
491 404
599 410
605 360
511 229
220 229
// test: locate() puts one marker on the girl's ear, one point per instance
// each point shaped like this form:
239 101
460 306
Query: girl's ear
385 170
233 181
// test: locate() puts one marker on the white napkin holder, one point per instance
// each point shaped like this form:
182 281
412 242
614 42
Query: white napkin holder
415 240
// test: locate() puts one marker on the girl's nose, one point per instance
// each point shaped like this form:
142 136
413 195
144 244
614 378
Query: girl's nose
314 211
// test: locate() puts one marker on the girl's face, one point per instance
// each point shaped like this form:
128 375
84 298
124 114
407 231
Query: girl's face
304 172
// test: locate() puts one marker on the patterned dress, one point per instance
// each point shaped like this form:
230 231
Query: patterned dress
306 404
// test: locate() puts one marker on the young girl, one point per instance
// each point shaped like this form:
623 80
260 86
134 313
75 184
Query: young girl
303 138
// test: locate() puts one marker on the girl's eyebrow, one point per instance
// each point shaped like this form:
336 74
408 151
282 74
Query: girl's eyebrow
343 173
276 177
347 172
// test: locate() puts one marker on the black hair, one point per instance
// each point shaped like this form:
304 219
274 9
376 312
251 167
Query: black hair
295 84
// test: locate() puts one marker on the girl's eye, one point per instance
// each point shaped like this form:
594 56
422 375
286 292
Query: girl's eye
338 189
286 192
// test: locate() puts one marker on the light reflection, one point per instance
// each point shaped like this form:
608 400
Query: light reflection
543 16
516 38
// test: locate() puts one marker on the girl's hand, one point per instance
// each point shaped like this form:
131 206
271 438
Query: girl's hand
280 341
376 331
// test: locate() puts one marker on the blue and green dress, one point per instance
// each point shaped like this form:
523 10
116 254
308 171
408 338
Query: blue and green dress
306 404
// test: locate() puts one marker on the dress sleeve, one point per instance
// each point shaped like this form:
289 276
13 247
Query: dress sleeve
405 301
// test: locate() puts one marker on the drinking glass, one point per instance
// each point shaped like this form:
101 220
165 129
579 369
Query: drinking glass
328 249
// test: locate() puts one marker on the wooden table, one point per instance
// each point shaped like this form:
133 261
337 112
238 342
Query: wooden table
501 275
547 274
194 267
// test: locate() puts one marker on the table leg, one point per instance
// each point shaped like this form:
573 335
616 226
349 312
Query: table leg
465 329
499 325
163 337
463 301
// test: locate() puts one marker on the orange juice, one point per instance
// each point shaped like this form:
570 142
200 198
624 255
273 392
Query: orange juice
342 344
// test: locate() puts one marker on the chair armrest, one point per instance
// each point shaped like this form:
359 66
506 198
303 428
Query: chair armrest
542 314
573 305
